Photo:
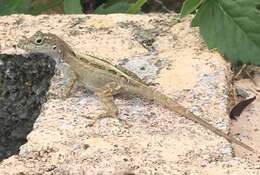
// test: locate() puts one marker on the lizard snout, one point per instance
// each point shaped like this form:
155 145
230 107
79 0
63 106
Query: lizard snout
22 42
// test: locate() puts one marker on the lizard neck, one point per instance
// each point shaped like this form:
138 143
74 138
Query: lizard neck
70 58
65 51
68 55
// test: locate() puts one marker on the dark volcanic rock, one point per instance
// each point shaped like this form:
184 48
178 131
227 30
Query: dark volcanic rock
24 82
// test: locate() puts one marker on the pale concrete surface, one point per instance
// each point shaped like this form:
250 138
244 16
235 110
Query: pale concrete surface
160 141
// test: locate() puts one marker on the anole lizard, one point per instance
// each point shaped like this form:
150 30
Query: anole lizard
106 79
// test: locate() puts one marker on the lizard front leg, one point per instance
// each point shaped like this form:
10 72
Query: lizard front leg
105 95
68 81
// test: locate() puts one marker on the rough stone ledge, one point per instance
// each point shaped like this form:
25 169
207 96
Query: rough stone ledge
160 142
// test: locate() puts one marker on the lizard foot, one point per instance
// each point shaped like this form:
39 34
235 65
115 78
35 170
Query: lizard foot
109 115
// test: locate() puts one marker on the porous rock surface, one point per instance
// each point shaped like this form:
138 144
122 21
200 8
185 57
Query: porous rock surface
24 84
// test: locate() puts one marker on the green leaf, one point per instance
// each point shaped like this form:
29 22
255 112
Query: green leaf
39 8
72 7
233 27
136 7
120 7
111 2
189 6
8 7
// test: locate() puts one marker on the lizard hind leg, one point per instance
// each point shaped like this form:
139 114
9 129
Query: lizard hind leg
105 95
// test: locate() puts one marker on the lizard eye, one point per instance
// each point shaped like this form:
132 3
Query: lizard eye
39 41
54 47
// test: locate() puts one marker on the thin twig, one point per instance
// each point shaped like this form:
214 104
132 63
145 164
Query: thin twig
163 6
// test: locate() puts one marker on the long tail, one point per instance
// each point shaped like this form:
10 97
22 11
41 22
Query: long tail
173 105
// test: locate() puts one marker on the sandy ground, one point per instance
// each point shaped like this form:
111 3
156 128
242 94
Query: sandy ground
160 142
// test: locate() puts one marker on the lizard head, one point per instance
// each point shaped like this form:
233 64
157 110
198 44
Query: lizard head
46 43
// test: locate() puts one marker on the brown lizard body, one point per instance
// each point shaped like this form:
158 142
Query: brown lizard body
106 79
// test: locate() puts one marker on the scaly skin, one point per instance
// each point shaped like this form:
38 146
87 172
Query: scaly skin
106 79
